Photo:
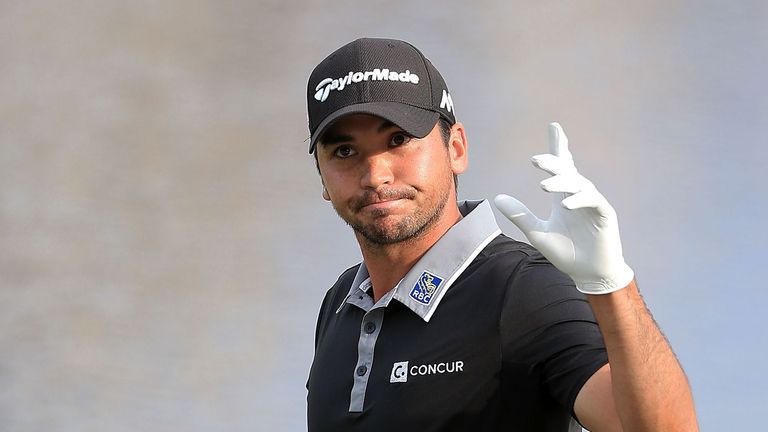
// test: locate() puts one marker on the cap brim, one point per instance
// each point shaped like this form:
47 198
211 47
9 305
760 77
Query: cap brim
416 121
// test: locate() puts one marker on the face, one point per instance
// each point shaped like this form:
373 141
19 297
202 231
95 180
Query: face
388 186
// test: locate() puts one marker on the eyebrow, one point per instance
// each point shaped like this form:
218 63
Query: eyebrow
330 138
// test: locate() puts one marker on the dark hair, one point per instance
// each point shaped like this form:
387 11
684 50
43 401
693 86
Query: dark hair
445 133
445 129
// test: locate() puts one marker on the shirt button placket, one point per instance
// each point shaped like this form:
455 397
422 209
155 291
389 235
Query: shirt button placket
370 327
369 332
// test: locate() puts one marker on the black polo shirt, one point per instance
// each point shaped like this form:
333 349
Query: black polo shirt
482 334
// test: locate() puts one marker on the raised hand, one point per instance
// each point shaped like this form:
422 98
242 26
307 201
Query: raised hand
581 237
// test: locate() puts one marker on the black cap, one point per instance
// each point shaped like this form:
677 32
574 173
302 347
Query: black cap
383 77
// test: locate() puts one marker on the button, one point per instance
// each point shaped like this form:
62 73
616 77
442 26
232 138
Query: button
362 370
370 327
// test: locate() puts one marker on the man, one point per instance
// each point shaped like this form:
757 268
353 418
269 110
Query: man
448 325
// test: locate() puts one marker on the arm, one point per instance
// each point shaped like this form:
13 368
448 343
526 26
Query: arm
648 387
643 386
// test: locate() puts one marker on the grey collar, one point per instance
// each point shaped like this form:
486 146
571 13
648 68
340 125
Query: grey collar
424 286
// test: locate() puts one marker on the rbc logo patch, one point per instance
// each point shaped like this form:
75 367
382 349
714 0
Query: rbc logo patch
425 287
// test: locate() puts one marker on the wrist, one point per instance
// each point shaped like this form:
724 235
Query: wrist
606 284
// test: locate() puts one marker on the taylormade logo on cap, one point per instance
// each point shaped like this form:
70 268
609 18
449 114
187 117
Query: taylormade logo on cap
324 88
387 78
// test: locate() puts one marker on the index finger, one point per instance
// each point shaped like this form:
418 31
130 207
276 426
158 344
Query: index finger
558 141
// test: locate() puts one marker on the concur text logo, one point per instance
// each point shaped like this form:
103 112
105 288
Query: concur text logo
401 370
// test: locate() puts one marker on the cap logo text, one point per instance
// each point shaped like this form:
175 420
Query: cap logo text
326 85
446 102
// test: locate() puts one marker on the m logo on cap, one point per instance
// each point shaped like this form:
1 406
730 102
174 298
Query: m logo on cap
326 85
446 103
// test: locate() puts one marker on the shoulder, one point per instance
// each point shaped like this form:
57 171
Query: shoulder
530 283
339 289
504 254
333 299
503 246
519 263
518 276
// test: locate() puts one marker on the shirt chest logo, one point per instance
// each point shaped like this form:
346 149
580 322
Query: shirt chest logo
401 370
425 288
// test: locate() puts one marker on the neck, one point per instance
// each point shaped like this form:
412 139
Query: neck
387 264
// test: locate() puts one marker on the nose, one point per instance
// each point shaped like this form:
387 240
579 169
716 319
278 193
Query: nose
377 171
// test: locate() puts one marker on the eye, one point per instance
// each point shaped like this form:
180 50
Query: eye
399 139
343 152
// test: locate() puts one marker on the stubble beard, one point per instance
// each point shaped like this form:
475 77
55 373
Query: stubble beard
409 227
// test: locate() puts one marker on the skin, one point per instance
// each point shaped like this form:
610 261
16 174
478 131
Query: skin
398 194
643 387
396 191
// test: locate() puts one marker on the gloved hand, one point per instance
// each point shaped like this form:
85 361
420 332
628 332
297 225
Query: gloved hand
581 237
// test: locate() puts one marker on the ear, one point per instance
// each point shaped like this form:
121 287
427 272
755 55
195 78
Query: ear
458 148
326 196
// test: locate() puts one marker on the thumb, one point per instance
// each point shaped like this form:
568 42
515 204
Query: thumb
516 212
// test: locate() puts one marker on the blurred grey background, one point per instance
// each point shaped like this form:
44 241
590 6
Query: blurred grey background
164 247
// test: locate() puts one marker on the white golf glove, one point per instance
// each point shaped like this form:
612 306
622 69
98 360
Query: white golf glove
581 237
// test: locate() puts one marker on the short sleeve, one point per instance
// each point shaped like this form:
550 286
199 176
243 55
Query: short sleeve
549 330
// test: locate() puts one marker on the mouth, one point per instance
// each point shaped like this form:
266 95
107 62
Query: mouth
384 204
383 200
